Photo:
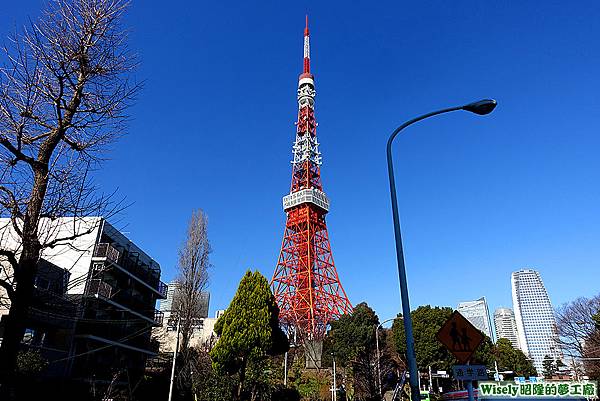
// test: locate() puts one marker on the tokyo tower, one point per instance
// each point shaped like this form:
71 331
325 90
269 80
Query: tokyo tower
306 283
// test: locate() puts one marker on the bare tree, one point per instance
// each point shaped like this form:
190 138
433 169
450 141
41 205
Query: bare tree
578 324
192 279
63 95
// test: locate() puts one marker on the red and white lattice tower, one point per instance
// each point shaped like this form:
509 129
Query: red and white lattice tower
305 283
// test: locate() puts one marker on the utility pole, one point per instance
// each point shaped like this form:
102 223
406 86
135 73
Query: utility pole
174 359
285 359
379 354
430 380
334 386
497 377
285 370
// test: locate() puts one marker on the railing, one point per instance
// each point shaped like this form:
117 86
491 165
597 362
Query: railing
136 306
104 250
136 335
130 262
98 287
158 317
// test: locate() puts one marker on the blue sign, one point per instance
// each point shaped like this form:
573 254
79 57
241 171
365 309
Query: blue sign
470 372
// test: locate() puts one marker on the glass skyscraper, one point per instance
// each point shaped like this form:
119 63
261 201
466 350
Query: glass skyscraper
166 305
478 314
506 326
534 316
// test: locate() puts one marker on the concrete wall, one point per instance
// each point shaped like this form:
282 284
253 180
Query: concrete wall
202 336
73 255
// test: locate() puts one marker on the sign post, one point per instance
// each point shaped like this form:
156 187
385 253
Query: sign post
468 373
469 384
462 339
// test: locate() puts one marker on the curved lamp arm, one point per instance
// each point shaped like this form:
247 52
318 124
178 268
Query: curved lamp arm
481 107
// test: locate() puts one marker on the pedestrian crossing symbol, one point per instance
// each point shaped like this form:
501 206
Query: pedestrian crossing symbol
460 337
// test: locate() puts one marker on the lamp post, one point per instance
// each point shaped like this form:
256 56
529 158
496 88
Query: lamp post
377 346
481 107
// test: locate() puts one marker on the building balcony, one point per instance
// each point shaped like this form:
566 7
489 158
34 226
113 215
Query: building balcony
96 288
107 251
130 264
138 341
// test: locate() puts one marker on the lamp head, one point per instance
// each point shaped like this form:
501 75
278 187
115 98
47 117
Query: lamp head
481 107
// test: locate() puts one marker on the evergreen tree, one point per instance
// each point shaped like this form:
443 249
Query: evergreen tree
248 331
352 339
427 321
512 359
484 355
551 366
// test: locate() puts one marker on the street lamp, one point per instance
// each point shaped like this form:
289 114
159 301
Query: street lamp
378 355
481 107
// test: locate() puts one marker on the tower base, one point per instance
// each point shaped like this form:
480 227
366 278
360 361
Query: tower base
313 351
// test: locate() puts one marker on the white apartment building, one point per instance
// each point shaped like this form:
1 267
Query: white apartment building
108 298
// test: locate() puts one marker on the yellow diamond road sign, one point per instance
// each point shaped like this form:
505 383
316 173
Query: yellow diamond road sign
460 337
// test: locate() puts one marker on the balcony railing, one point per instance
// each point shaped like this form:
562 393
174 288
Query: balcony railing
130 262
98 287
107 251
135 336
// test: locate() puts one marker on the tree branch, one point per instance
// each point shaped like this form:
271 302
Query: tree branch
8 287
11 257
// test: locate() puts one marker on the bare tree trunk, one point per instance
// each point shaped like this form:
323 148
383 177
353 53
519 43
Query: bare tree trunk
24 276
14 329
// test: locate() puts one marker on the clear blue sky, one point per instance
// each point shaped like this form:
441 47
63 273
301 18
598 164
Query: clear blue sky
480 197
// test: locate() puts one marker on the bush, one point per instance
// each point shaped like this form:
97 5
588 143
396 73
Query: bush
30 363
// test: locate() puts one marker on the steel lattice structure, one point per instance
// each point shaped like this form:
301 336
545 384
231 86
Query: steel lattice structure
305 283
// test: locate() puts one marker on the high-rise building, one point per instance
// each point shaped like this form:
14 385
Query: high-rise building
478 314
536 326
506 326
167 304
